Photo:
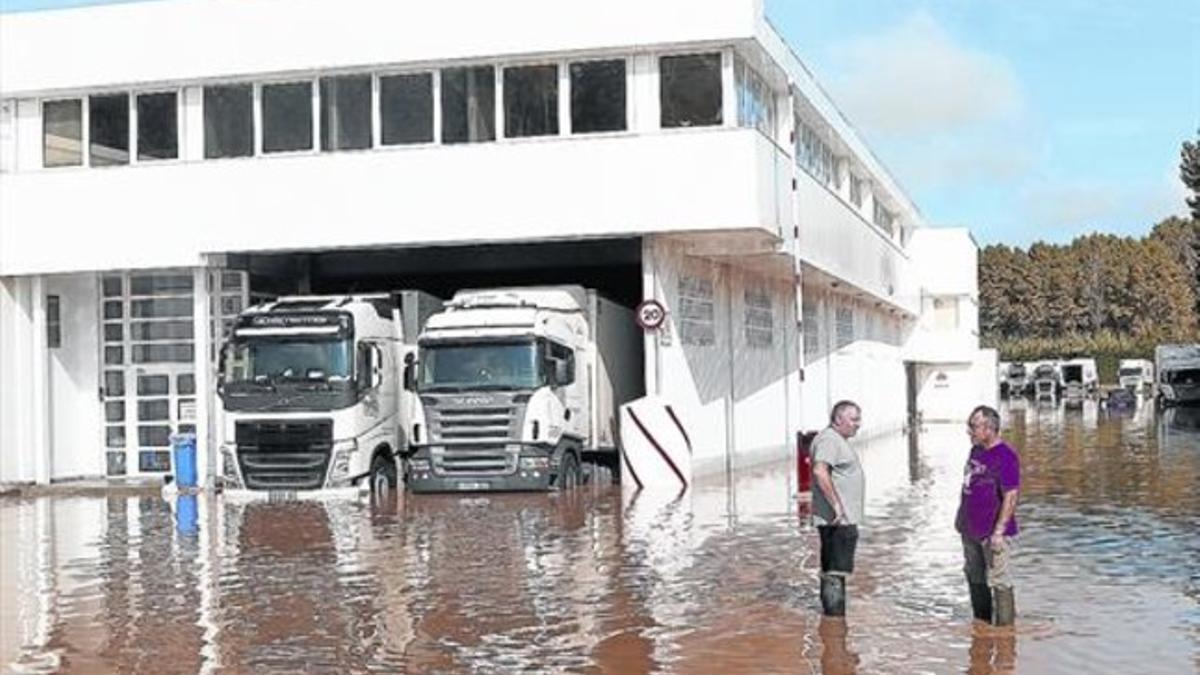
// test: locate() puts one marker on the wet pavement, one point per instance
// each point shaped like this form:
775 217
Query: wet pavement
721 580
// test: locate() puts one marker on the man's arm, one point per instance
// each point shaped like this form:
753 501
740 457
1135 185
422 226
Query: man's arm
825 482
1007 508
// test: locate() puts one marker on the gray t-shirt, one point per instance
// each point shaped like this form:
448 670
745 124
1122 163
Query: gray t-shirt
846 471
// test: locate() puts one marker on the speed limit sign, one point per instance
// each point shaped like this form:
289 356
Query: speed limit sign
651 314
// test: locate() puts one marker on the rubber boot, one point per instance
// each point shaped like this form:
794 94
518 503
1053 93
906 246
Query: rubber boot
1006 607
833 595
981 602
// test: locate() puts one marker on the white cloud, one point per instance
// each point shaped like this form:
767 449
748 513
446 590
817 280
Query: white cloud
914 79
1072 205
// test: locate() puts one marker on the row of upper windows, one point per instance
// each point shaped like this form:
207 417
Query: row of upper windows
447 105
815 156
337 112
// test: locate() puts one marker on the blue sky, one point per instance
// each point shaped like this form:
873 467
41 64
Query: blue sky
1021 119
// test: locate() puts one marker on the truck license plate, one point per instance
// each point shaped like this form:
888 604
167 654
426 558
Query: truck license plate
277 496
468 487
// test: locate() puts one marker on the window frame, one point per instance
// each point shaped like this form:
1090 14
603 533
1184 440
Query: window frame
260 119
725 77
502 101
135 120
566 86
84 121
435 91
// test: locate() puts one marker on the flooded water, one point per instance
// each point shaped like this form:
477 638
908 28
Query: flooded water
723 579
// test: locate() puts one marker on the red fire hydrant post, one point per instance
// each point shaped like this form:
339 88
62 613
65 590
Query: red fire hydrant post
804 441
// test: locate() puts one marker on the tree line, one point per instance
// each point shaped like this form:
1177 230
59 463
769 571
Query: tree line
1101 295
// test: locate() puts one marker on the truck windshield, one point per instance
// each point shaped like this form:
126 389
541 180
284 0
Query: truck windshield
278 360
1130 372
494 365
1016 371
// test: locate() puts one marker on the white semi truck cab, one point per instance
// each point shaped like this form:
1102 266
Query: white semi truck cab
519 388
313 395
1177 367
1136 375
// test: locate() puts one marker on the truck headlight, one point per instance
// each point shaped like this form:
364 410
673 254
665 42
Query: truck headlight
343 458
535 463
229 470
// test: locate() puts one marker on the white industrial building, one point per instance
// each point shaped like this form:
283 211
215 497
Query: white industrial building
165 163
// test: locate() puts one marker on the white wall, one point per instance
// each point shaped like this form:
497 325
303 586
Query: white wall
76 442
687 180
869 370
24 390
185 39
948 392
732 399
839 242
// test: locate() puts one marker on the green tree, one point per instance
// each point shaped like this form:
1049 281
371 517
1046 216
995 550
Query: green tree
1189 172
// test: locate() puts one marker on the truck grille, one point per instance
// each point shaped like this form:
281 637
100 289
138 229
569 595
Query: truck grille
284 455
473 424
475 460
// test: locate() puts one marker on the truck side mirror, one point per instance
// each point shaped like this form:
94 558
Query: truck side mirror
376 366
410 372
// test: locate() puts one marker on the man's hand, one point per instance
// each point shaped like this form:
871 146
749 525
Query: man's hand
996 541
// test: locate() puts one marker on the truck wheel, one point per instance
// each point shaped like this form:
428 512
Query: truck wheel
383 475
568 473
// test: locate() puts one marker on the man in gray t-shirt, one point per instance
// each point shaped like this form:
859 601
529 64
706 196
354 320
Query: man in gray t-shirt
837 502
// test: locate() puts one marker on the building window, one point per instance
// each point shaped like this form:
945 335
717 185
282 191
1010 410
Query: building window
856 190
346 112
287 120
228 121
885 218
756 102
815 156
845 326
406 108
468 105
53 322
108 130
157 126
697 312
759 321
530 101
62 133
812 331
690 90
597 96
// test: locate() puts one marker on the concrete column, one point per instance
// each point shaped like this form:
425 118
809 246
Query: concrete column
39 406
206 453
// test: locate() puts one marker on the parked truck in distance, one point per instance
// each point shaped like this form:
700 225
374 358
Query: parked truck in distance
1046 380
518 388
1135 375
1079 377
1014 379
313 395
1178 370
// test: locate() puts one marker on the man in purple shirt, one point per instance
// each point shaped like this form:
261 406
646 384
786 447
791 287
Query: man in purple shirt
987 517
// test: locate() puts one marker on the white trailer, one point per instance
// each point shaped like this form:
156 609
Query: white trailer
518 388
1079 377
312 393
1178 369
1136 375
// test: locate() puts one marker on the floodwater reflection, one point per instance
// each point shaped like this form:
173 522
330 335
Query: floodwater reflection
720 579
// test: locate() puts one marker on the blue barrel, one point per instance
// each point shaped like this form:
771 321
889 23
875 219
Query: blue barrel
183 448
187 517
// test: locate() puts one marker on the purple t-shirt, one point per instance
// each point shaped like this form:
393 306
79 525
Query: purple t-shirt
988 474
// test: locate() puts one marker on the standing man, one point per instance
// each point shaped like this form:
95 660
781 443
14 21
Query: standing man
987 518
837 502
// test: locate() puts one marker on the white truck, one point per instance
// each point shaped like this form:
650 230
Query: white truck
1046 380
1014 378
313 395
1178 369
1136 375
1079 377
520 388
